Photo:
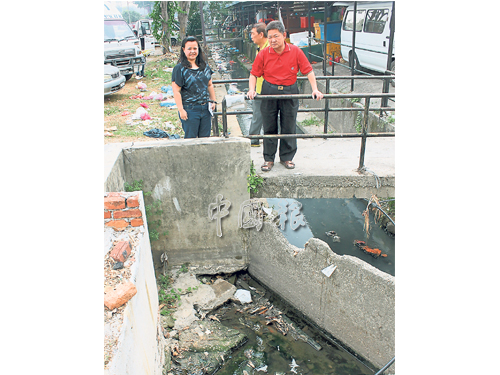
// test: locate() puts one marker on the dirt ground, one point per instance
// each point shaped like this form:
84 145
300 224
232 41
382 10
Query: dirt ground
119 126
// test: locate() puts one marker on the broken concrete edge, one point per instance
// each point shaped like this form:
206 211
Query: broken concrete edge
355 304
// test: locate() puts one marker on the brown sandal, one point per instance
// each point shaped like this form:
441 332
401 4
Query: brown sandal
267 166
288 164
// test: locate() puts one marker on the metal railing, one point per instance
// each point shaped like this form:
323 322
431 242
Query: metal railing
326 109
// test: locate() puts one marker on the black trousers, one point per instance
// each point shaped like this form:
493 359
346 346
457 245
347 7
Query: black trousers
287 109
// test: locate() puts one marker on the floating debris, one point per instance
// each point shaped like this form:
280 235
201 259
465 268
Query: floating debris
293 365
335 237
368 250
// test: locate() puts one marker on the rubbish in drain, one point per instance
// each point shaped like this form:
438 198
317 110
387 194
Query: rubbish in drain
368 250
335 237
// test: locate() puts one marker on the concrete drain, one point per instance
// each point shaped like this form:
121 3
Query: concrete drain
262 336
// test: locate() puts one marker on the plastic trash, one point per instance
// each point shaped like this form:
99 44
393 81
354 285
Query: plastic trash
328 270
138 113
144 105
145 116
235 101
142 86
125 113
243 296
168 90
168 103
158 133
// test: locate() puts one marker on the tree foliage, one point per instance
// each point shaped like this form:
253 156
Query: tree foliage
163 16
148 5
131 16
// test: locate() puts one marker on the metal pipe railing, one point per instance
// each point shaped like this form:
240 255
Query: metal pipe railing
364 133
381 371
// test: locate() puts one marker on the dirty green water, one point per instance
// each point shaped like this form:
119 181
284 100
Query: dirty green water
266 346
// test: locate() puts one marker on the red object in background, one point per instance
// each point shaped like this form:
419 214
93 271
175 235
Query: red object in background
303 22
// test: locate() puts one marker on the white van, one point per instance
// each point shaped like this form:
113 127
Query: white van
121 46
372 33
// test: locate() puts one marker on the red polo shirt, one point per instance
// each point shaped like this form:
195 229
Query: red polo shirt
281 69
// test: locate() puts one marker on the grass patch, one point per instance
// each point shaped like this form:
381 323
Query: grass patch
122 128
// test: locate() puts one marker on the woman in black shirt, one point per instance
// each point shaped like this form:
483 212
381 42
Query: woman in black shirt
193 89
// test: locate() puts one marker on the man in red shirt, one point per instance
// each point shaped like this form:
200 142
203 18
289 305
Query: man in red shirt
279 64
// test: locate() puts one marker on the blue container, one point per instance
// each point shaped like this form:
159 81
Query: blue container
332 31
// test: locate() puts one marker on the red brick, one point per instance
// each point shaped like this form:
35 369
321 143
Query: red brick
120 295
136 222
117 224
127 213
107 214
114 194
133 201
114 203
121 251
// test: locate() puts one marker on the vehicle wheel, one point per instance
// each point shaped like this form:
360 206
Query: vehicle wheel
356 62
173 42
393 69
128 76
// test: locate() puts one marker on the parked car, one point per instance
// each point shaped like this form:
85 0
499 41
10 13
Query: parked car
113 79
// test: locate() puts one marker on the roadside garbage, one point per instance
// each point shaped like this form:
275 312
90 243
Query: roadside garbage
138 113
243 296
150 96
158 133
141 86
145 116
368 250
235 101
233 89
168 103
160 96
138 96
144 105
125 113
168 90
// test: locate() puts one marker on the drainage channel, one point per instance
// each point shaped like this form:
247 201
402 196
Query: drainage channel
278 339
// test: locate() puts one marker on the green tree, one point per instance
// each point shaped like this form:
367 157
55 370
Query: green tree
148 5
163 16
194 22
131 16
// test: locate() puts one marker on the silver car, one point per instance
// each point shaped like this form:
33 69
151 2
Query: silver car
113 79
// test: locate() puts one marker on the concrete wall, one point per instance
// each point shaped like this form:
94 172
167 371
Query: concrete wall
186 176
138 350
325 187
356 304
114 167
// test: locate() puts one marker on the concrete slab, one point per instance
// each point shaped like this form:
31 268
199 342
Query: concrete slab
334 157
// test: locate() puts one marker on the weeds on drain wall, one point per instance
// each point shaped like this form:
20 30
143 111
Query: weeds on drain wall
153 210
